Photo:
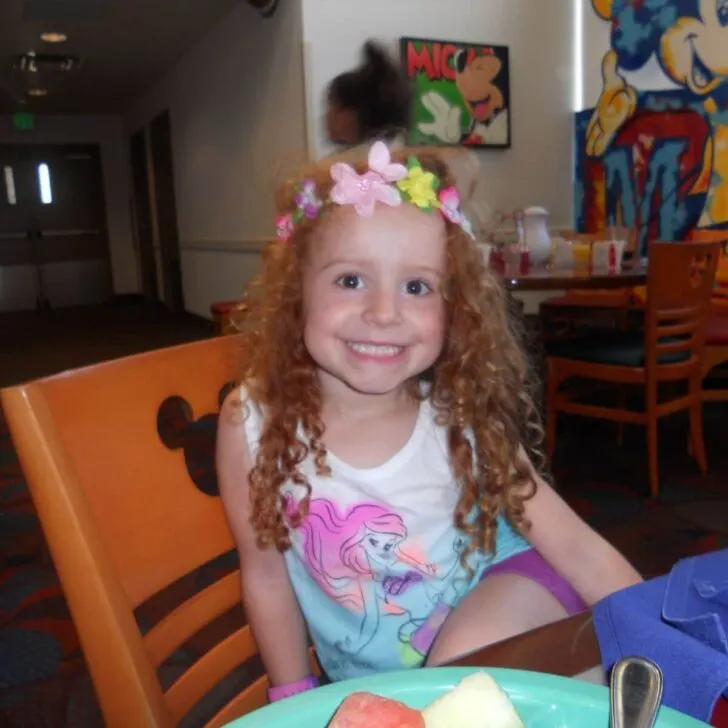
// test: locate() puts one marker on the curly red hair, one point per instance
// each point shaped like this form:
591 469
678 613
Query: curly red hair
481 388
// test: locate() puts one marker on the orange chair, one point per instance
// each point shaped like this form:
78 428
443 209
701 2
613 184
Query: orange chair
719 296
119 458
670 349
716 353
716 338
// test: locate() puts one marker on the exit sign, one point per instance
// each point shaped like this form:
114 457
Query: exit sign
23 121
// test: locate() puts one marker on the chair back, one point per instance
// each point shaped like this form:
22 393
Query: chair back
680 280
720 292
708 235
119 459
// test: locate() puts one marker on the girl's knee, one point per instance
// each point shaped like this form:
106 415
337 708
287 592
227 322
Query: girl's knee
505 606
448 647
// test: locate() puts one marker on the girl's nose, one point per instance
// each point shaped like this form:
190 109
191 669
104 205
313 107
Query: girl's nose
382 308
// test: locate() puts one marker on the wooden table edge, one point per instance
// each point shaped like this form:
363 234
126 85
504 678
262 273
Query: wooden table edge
567 647
566 279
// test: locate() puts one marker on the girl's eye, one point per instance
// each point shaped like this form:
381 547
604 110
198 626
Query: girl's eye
417 288
349 281
722 9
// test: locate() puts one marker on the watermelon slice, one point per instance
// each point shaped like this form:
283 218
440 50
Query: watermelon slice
364 710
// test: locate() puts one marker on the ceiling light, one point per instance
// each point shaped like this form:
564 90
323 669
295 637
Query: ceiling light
54 37
37 92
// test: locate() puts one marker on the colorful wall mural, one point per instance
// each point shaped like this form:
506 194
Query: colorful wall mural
654 160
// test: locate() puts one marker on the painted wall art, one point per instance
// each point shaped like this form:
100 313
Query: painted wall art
461 93
657 160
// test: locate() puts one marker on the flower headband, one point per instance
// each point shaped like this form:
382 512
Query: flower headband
384 182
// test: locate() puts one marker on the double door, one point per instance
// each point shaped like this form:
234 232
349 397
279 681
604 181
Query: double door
54 249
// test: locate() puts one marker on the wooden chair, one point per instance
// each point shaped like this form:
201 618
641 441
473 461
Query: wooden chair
716 338
119 458
716 353
719 297
670 349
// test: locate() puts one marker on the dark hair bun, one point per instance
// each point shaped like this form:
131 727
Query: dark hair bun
376 57
377 91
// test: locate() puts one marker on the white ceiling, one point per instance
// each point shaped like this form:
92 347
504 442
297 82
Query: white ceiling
124 45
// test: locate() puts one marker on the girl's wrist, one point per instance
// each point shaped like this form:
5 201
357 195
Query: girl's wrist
278 692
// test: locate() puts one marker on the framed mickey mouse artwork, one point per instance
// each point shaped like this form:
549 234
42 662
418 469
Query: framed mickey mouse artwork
461 93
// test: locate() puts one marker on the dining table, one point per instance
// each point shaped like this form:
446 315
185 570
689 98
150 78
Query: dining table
568 647
568 279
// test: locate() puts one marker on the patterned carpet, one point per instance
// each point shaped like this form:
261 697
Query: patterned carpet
43 682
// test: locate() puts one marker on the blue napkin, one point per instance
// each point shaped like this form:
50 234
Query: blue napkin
680 621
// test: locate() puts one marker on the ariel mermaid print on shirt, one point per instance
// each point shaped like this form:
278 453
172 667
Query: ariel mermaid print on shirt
360 557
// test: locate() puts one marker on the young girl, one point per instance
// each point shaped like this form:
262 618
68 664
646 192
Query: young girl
376 465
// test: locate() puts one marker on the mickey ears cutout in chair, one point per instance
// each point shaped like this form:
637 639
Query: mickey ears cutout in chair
698 268
178 430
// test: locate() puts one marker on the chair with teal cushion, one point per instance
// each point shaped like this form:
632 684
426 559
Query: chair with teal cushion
620 348
670 349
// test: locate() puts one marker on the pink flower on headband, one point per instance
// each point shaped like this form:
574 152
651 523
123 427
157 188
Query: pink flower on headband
450 204
284 226
380 161
450 208
364 190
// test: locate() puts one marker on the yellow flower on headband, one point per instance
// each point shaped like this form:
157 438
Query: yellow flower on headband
420 187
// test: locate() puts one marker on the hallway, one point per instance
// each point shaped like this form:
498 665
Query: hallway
38 343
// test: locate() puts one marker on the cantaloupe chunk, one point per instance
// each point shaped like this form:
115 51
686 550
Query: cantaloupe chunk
365 710
477 701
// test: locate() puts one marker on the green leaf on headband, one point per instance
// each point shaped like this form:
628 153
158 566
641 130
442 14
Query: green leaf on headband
297 215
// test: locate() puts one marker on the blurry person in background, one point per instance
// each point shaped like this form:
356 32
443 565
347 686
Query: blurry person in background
372 101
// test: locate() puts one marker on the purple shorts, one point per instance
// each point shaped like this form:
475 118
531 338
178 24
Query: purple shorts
531 565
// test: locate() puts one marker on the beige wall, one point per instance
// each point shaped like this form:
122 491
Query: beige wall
539 33
107 132
236 103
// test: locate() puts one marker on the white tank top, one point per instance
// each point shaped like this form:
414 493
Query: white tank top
375 564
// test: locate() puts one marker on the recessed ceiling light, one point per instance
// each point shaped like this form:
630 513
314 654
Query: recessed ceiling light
37 92
54 37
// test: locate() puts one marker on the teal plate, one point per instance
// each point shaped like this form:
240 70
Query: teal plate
542 701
